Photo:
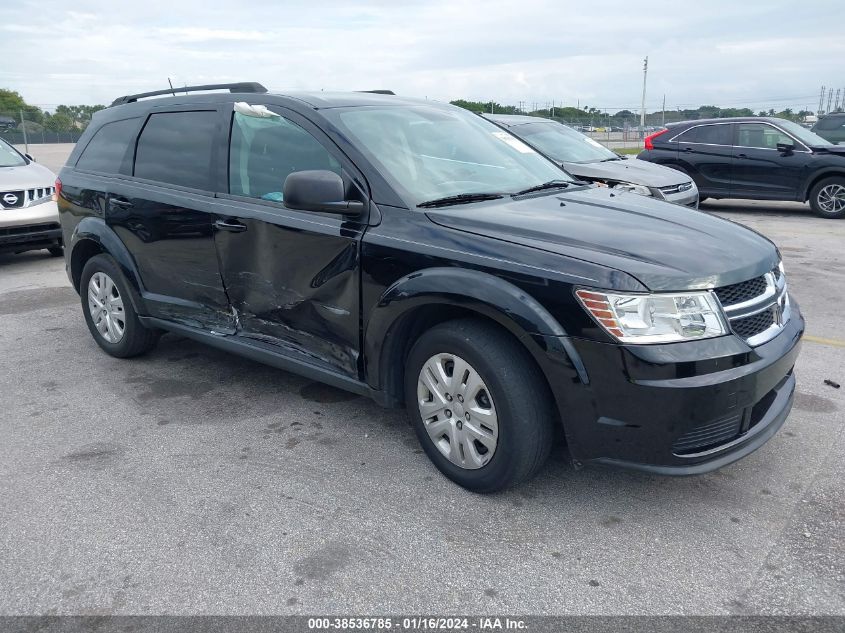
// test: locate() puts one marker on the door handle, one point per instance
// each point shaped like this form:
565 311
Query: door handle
120 202
687 149
233 226
742 155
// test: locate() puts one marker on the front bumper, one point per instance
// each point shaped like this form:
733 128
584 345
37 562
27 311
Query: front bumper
688 198
682 408
30 228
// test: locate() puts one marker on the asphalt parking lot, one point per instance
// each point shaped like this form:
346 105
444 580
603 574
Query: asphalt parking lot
192 481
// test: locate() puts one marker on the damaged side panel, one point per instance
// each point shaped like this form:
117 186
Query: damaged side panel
294 283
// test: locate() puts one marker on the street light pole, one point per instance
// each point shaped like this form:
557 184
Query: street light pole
642 106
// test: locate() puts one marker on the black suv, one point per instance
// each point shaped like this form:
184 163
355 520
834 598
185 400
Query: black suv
755 158
418 254
831 127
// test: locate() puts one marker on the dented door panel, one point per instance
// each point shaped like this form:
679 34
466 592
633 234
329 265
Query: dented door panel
292 281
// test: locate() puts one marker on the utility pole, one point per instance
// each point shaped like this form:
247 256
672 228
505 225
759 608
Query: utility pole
642 106
663 116
821 101
836 104
829 99
25 142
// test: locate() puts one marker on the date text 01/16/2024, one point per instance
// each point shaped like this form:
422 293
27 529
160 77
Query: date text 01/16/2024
418 623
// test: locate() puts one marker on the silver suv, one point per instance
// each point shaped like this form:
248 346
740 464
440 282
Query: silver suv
29 219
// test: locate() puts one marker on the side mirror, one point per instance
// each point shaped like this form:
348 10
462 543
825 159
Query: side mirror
786 148
318 190
30 157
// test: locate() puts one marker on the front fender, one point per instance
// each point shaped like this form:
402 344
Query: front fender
475 291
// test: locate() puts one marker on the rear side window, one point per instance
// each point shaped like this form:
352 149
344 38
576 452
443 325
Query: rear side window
710 134
108 147
175 148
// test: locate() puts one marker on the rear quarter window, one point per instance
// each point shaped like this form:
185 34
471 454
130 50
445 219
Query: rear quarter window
108 151
176 147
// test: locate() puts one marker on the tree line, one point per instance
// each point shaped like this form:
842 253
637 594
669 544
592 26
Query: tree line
592 115
66 118
75 118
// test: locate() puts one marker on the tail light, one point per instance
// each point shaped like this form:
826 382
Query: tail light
649 140
58 190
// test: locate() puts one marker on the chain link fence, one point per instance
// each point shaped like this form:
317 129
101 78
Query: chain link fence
35 128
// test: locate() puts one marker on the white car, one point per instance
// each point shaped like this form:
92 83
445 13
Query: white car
29 219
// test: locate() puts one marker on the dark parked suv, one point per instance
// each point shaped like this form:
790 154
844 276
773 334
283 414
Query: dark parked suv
831 127
416 253
755 158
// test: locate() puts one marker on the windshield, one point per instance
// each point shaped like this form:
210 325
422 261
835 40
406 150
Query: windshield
9 157
562 143
431 152
803 134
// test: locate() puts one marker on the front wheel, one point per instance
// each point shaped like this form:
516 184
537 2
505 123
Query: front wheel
827 198
479 405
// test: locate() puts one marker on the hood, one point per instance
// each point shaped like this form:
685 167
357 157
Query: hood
639 172
664 246
31 176
839 150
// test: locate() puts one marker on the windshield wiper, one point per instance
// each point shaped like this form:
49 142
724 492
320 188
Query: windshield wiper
461 198
552 184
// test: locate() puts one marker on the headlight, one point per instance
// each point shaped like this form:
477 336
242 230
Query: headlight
655 318
638 189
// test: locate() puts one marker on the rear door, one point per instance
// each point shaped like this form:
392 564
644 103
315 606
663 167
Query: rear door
705 153
293 277
760 170
164 215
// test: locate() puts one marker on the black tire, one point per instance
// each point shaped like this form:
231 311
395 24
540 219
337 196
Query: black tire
523 403
56 251
817 191
136 338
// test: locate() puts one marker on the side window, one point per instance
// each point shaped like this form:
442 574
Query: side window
175 148
709 134
830 123
108 147
265 150
761 136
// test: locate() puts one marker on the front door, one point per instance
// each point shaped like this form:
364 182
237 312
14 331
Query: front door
760 170
292 276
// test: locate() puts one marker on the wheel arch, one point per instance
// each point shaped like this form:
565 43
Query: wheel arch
817 177
91 237
423 299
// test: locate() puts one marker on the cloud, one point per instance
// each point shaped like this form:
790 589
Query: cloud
533 50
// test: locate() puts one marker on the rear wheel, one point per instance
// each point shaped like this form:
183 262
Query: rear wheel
109 312
827 197
479 405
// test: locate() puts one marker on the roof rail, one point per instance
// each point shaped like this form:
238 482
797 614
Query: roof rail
379 92
245 86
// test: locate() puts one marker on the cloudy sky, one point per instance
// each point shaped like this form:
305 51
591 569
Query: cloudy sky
759 53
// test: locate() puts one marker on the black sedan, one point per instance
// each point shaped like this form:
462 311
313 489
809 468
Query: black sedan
755 158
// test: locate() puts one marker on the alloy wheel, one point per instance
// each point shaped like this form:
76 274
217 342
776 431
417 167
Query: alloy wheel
831 199
457 411
106 307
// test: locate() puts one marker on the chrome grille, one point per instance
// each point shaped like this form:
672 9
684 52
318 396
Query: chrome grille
743 291
757 309
755 324
20 198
